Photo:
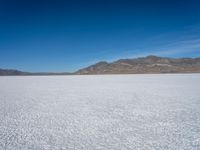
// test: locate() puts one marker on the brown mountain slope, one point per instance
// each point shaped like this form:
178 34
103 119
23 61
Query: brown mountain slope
149 64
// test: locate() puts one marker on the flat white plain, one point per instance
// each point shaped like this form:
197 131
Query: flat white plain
118 112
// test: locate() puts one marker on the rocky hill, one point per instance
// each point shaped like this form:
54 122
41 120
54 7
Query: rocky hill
142 65
149 64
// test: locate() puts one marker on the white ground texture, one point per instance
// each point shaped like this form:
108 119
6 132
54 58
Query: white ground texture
105 112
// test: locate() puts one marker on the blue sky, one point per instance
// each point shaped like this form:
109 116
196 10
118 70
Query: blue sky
61 35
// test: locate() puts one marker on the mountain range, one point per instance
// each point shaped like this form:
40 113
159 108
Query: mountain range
141 65
10 72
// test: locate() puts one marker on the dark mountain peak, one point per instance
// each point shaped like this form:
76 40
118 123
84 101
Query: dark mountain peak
102 63
152 57
140 59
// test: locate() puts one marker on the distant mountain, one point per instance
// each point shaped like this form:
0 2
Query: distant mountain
12 72
5 72
142 65
149 64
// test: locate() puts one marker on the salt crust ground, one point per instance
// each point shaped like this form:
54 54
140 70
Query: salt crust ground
108 112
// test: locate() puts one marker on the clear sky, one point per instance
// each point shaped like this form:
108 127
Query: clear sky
62 35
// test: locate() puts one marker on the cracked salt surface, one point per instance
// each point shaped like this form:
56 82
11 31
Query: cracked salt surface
100 112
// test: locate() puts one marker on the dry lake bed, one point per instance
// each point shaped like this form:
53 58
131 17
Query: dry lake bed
102 112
